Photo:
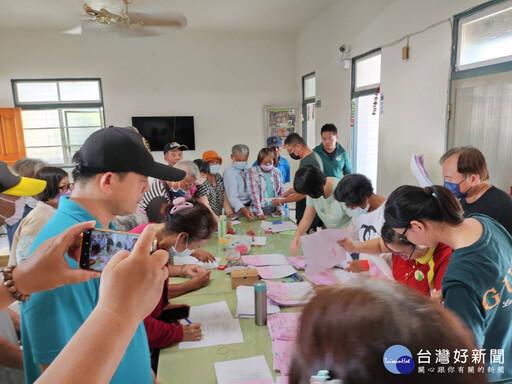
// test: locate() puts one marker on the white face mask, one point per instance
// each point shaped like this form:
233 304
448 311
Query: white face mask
19 208
185 252
361 211
214 169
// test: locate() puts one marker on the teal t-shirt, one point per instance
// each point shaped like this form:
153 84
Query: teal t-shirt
331 212
269 190
51 318
477 286
339 166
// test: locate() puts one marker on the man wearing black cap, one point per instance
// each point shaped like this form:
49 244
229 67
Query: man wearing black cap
173 152
110 176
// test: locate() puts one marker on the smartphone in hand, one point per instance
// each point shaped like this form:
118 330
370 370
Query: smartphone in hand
173 314
99 245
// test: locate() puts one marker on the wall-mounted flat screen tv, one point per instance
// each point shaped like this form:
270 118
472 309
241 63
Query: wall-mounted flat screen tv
160 130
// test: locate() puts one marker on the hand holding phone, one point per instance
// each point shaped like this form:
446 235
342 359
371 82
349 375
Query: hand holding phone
99 245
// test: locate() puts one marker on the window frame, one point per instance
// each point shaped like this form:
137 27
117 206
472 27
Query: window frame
366 91
62 108
478 70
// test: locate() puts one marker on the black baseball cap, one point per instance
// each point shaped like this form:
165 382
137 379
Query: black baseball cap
174 146
115 149
13 184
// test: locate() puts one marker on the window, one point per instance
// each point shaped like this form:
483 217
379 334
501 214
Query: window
367 72
308 108
485 36
365 113
58 115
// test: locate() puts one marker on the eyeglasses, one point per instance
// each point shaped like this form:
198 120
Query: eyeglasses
401 254
402 237
290 150
67 187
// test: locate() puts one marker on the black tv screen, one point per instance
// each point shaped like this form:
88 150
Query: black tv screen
160 130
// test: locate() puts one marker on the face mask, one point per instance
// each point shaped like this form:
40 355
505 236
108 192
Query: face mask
361 211
19 208
60 194
214 169
185 252
266 168
455 189
294 156
240 165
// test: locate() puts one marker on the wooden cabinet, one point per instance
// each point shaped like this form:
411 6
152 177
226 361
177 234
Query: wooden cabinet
12 143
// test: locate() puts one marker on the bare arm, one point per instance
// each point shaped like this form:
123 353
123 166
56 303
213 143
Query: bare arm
372 247
204 200
130 288
305 223
10 355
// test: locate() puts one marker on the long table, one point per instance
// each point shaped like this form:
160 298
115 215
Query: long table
196 365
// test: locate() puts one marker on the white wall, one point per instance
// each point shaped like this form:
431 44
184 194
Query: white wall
222 79
415 91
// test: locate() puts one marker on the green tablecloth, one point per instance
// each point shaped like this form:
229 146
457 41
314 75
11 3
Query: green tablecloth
195 366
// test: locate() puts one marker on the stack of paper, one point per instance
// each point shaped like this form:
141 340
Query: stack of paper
245 307
289 294
276 271
283 326
278 226
322 250
282 380
283 329
331 277
297 262
217 325
253 370
418 169
263 260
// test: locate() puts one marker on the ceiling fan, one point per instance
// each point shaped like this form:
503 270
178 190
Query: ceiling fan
128 23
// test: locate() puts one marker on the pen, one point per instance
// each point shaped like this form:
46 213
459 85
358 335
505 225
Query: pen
187 320
298 277
293 277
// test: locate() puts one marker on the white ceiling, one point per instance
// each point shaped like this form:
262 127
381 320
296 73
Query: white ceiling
215 15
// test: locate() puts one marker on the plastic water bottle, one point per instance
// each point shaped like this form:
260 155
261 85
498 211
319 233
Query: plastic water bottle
222 226
260 303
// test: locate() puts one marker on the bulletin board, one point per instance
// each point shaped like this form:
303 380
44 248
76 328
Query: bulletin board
281 121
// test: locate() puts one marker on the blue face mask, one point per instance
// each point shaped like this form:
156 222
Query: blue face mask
361 211
185 252
455 189
214 169
240 165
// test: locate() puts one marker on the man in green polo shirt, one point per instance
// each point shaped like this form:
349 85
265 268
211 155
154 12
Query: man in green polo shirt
334 157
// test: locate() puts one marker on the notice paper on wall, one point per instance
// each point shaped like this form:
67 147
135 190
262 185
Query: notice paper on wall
217 325
252 370
245 307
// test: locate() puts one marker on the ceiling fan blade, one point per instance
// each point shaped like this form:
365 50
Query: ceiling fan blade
74 31
135 32
169 20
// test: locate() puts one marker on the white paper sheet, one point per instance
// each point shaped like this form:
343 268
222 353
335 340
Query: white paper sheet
284 226
217 325
322 251
181 260
245 307
243 370
418 169
259 240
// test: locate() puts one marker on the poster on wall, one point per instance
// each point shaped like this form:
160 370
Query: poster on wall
281 121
